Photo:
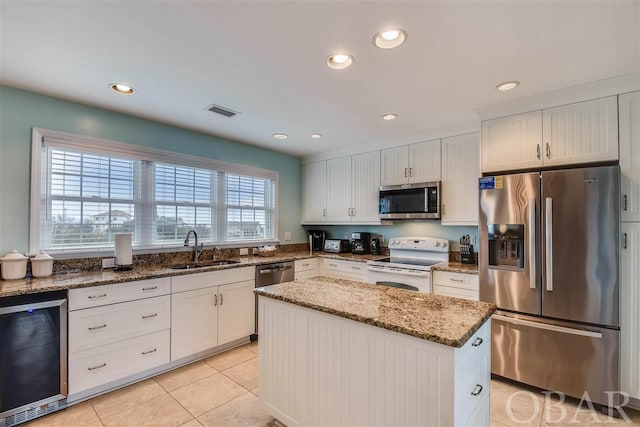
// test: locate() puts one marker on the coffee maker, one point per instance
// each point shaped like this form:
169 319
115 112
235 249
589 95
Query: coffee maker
316 240
361 243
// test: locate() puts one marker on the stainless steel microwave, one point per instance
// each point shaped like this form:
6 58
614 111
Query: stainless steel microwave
410 201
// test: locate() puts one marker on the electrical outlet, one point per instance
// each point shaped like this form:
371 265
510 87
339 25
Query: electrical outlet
473 239
287 235
244 251
108 263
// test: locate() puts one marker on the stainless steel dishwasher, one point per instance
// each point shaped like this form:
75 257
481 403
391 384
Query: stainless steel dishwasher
272 274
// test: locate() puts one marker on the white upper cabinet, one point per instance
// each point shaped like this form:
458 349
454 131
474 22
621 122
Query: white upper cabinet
513 142
629 110
314 192
365 186
583 132
460 172
395 166
339 189
424 162
411 163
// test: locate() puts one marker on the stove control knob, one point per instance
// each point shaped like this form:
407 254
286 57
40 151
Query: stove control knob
437 244
445 244
392 242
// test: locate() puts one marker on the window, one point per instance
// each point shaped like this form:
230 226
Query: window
91 190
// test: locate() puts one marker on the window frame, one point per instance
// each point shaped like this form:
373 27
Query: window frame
100 146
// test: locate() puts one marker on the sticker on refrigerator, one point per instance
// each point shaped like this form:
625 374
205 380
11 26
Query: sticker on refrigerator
491 183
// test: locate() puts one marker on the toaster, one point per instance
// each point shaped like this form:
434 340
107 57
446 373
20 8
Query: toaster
337 245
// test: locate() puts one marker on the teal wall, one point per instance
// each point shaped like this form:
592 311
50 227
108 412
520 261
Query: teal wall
21 110
429 228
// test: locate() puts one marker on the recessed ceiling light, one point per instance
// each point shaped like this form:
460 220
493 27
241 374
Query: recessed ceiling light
389 116
315 135
122 88
280 136
390 38
508 85
339 61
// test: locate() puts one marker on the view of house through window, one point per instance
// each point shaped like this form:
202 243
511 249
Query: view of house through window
89 197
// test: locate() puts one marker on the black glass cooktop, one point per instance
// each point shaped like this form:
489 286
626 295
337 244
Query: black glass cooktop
410 261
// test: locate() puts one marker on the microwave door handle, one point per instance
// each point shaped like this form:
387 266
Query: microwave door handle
549 242
532 243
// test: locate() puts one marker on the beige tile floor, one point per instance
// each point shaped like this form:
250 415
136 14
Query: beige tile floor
222 391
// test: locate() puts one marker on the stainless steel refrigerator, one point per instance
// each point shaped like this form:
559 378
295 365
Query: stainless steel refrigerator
549 261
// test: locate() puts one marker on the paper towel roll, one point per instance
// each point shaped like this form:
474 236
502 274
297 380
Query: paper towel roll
123 252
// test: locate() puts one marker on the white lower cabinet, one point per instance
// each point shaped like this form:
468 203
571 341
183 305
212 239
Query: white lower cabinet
457 285
236 311
307 268
100 365
194 321
630 309
211 309
342 269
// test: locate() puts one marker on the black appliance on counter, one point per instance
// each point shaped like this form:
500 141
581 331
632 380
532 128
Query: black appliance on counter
376 249
361 243
33 358
316 239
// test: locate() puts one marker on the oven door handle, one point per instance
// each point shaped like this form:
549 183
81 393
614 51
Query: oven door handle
399 271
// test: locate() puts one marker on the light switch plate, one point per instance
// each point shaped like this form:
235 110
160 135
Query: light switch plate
287 235
244 251
108 263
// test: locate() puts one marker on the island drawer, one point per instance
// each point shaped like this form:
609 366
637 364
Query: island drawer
101 365
456 280
472 385
98 326
306 264
479 343
96 296
190 282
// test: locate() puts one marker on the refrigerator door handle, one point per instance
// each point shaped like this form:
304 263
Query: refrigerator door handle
549 242
548 327
532 243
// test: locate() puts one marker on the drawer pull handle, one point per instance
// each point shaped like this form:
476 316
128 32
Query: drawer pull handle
306 265
356 268
476 390
333 265
149 316
150 351
456 280
150 288
93 368
215 300
477 342
93 328
97 296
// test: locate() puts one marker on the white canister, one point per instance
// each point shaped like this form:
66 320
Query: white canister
14 266
42 265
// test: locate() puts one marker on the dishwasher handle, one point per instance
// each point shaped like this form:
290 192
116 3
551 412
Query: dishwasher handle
275 269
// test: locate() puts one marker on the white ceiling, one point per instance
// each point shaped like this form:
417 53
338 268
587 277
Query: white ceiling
267 60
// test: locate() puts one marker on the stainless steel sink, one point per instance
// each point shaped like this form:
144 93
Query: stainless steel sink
202 264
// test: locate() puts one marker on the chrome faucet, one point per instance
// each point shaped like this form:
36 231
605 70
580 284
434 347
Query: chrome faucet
197 250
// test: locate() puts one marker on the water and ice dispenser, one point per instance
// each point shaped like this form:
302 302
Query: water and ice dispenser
506 245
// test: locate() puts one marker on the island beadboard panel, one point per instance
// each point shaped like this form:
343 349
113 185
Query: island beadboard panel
321 369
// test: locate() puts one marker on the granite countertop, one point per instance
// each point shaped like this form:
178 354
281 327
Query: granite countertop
88 278
443 320
456 267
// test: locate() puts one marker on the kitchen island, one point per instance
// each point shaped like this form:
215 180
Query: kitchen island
338 352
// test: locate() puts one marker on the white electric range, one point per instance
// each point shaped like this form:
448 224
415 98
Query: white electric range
409 264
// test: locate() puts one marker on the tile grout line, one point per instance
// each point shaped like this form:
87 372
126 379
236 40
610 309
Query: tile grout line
188 411
220 370
96 412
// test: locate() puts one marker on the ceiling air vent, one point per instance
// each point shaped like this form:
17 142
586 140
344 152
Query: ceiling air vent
224 111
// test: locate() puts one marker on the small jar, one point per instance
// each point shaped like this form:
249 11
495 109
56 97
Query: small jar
42 265
13 266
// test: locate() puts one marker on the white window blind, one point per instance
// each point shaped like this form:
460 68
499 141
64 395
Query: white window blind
88 198
250 206
89 192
